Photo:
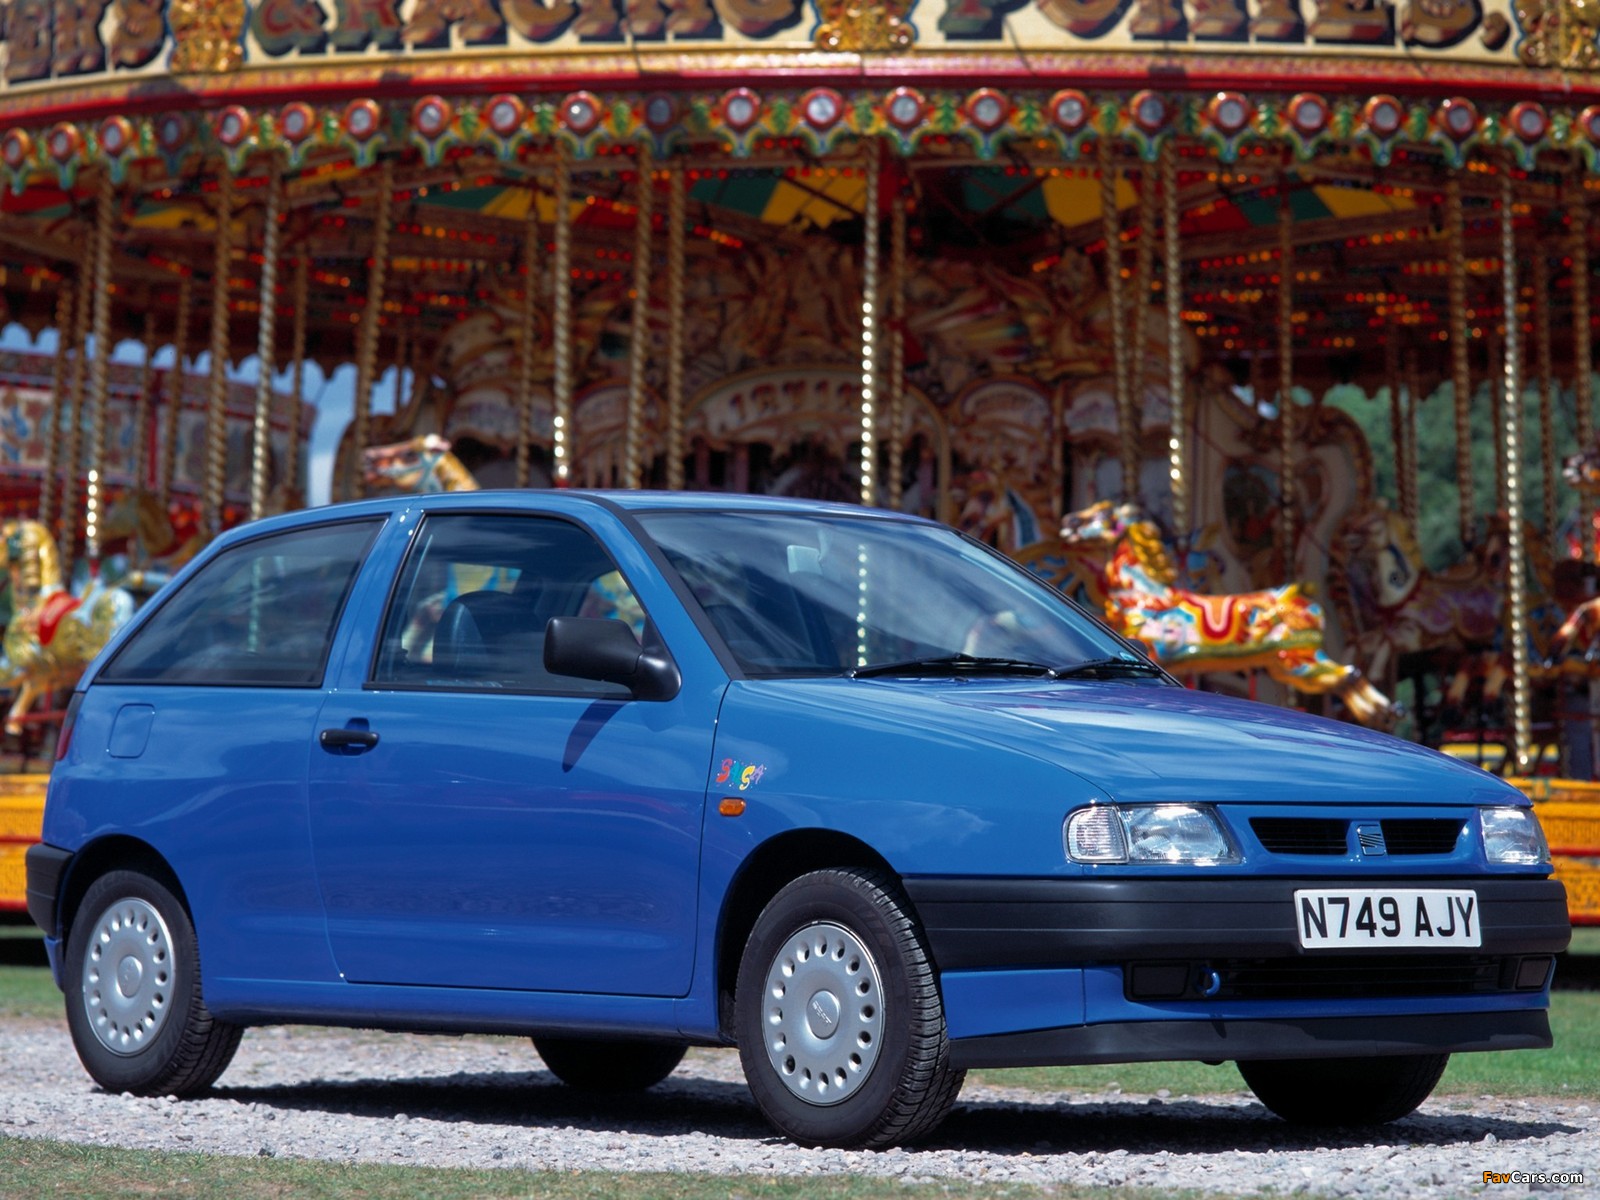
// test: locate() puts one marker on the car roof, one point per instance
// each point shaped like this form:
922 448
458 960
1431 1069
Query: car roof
546 499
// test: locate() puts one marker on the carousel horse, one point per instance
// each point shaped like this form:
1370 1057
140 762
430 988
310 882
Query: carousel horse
1397 606
1575 648
994 513
422 464
154 543
1278 629
53 634
1582 470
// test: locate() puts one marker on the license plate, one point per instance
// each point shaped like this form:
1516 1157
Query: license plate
1360 918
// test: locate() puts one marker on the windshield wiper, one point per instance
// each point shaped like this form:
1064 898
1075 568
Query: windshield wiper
1105 668
954 664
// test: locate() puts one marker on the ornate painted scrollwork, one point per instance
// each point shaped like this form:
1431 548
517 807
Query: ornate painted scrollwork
208 35
855 25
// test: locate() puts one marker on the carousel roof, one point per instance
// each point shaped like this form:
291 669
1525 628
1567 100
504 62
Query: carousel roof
1341 131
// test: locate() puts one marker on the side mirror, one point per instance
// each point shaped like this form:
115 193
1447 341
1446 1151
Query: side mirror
605 649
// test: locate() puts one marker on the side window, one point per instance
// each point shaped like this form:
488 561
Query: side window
472 601
261 614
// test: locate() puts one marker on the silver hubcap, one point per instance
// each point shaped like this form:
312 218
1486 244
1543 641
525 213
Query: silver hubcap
824 1014
128 976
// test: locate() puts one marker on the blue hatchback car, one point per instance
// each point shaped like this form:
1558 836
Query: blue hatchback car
632 772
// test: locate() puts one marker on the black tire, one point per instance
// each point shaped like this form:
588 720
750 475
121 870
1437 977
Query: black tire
601 1065
134 1008
1344 1091
838 954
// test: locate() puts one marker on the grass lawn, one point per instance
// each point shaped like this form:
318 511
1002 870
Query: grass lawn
40 1169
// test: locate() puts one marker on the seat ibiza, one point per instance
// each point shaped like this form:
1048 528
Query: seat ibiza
627 773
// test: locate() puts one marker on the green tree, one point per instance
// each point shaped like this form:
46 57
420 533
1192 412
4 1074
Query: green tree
1437 494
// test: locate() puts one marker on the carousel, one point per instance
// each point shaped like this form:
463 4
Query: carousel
1087 278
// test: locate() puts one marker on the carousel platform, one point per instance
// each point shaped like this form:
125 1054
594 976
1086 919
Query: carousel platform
1569 810
21 810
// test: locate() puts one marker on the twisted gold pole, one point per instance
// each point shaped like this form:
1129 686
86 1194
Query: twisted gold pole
50 480
1497 366
1547 386
99 368
638 352
1413 404
897 350
140 468
297 389
217 413
1582 348
1397 418
1144 265
372 318
528 351
1460 375
74 447
1289 507
266 347
1121 386
1172 281
561 283
166 466
1511 475
677 202
873 223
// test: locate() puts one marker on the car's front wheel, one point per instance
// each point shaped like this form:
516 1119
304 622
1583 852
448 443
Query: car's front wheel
1344 1091
612 1065
132 975
840 1023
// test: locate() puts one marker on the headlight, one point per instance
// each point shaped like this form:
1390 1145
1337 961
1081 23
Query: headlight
1191 834
1512 837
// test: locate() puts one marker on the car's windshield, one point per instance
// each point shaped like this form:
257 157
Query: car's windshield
825 595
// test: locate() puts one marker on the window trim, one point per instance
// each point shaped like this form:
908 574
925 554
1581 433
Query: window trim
653 640
169 595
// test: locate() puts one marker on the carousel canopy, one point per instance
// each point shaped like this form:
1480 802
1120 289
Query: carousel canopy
1353 118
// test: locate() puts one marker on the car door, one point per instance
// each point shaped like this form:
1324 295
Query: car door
478 822
195 735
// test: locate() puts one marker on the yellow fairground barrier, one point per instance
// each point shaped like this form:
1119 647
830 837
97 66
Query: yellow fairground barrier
21 812
1569 810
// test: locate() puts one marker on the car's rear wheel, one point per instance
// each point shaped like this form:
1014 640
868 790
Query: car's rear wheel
838 1014
134 1008
1344 1091
609 1065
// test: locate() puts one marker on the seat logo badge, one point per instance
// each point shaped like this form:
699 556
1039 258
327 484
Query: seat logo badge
1370 839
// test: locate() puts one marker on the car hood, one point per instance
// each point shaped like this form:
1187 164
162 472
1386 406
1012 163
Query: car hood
1137 742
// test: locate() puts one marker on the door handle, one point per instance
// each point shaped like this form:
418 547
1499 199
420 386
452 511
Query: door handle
347 739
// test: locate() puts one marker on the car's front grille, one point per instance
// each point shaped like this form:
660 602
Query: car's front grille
1330 835
1421 835
1335 977
1302 835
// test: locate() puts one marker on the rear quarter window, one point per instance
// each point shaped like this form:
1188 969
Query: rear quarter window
260 614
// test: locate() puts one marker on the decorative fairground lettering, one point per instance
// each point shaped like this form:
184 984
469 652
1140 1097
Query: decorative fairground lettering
282 26
431 22
364 24
28 38
139 35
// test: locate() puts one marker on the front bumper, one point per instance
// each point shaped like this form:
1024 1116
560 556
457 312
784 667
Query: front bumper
1007 923
1124 970
1242 1041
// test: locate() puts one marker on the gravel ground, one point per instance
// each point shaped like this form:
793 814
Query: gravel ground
487 1102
